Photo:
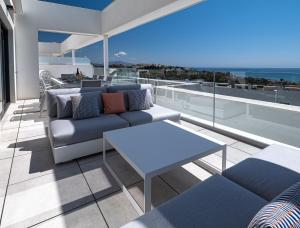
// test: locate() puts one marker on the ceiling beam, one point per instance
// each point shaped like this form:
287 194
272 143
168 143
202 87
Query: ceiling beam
18 6
76 41
123 15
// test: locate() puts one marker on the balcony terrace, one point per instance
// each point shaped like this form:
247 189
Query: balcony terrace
52 180
82 193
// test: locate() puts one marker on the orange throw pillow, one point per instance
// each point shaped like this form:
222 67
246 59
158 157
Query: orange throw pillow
113 103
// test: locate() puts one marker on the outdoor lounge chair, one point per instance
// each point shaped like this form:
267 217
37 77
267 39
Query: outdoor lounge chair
232 199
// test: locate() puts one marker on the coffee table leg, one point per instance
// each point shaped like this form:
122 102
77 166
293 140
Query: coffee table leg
224 157
147 194
104 149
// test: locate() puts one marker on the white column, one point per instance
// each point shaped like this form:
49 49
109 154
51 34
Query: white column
105 57
73 57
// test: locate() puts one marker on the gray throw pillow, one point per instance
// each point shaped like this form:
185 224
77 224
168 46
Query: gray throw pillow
64 105
138 100
85 105
149 98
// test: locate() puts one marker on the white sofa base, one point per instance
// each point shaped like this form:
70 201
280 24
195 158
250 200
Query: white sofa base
73 151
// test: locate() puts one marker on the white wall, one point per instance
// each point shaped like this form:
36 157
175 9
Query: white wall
39 15
27 57
57 70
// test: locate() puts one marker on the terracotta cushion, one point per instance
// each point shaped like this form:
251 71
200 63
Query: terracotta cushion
113 103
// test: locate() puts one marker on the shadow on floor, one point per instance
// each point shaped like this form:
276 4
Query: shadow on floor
35 104
78 184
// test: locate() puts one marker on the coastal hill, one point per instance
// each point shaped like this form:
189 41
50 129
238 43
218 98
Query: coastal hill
169 72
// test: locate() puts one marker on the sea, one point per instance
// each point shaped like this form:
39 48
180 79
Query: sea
274 74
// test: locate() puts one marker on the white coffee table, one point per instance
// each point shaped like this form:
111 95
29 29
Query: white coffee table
155 148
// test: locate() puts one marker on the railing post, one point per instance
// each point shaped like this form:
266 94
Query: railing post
155 87
214 99
173 94
276 95
247 110
73 58
105 57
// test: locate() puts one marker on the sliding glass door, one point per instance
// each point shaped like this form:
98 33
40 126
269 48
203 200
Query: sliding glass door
4 73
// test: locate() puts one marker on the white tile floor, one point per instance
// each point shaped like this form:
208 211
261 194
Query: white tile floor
81 193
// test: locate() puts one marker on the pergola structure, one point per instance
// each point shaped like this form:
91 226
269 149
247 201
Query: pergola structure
86 27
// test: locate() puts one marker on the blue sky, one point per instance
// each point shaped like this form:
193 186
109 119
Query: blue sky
89 4
217 33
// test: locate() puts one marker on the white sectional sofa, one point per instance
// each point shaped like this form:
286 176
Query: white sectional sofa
71 139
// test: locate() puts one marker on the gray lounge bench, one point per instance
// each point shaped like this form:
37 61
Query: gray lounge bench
71 139
231 199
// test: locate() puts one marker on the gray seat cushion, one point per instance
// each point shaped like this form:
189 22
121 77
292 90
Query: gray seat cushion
68 131
155 113
52 101
215 203
269 172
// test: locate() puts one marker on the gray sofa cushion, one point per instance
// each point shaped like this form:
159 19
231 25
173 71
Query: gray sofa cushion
138 100
117 88
125 92
52 101
68 131
86 105
149 97
269 172
215 203
156 113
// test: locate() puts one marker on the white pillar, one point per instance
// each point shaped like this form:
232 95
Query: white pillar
105 57
73 57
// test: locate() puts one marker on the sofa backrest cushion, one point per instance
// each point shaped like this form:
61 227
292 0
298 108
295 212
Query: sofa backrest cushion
269 172
52 100
126 88
126 99
85 105
283 211
64 105
116 88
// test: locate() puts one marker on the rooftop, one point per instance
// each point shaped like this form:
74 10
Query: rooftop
39 193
